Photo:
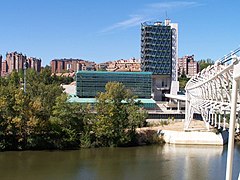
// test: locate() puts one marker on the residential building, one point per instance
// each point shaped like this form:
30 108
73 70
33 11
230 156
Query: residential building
159 54
4 68
188 66
90 83
71 65
15 61
34 63
122 65
102 66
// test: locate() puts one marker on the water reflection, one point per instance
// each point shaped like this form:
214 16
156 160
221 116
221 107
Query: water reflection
194 162
152 162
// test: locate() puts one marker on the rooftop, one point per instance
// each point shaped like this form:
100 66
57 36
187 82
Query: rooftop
75 98
110 72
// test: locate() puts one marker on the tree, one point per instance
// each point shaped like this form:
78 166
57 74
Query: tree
183 81
118 115
67 123
42 118
204 63
25 117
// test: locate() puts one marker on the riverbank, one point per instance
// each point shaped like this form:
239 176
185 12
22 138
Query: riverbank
172 132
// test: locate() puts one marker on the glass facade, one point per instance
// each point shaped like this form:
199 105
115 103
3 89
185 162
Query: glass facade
156 48
89 83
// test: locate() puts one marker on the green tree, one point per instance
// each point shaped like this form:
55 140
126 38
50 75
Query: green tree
183 81
204 63
67 123
25 118
117 117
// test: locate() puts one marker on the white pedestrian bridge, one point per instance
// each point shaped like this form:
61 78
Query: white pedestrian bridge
215 94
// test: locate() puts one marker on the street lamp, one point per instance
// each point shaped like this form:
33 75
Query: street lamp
25 66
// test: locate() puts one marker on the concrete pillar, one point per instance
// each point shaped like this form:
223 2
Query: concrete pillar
178 106
208 116
212 119
215 124
187 110
224 121
208 128
219 121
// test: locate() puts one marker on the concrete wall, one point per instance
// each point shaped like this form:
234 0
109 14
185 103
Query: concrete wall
160 85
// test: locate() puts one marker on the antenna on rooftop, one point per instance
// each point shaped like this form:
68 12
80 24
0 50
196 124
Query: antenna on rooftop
166 15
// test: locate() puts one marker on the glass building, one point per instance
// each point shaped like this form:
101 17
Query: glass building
159 48
159 54
156 48
89 83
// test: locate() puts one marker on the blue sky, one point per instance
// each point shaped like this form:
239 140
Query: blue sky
109 30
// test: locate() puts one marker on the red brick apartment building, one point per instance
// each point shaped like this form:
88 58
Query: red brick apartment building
187 66
71 65
74 65
15 61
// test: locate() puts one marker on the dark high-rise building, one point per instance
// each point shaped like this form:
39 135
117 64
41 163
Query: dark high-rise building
159 54
156 48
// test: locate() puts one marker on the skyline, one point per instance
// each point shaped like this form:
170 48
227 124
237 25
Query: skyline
105 31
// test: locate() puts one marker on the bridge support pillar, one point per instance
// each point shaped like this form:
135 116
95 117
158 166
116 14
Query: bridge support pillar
178 106
232 125
212 119
208 128
224 121
219 121
215 114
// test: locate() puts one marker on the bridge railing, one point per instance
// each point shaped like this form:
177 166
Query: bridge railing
211 89
234 107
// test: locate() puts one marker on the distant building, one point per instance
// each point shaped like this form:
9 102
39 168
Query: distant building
129 65
159 54
187 66
71 65
102 66
15 61
90 83
4 68
34 63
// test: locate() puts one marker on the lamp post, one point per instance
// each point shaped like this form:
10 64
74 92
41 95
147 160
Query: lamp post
25 66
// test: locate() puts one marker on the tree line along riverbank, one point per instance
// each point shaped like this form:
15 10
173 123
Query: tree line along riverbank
42 118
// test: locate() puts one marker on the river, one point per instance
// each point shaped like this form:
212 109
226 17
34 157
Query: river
147 162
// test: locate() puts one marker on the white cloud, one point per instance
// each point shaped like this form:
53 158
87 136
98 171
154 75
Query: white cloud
173 5
133 20
150 12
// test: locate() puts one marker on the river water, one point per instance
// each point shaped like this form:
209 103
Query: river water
148 162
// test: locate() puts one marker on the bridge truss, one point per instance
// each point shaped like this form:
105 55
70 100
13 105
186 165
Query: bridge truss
209 93
213 93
